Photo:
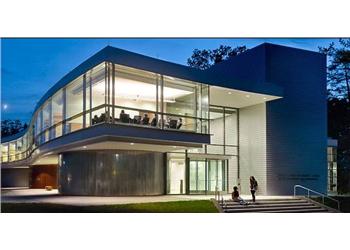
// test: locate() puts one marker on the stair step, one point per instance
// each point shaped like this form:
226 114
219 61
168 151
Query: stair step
238 206
278 205
270 202
314 210
263 209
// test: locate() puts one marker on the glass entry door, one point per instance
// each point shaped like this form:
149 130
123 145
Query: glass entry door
216 175
177 173
207 176
198 176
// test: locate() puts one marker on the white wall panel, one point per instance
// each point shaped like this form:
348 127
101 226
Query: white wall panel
252 141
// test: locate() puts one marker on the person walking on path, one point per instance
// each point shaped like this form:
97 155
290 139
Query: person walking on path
253 186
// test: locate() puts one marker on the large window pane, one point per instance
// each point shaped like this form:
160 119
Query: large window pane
204 109
87 99
204 103
179 97
74 98
57 114
57 107
25 141
12 151
4 152
135 88
19 149
46 120
96 78
97 81
74 124
201 176
231 127
37 127
193 176
74 105
217 125
212 175
198 176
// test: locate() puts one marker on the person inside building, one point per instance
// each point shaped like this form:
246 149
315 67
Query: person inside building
179 123
123 117
145 119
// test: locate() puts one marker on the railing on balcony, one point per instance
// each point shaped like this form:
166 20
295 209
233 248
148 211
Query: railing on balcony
107 114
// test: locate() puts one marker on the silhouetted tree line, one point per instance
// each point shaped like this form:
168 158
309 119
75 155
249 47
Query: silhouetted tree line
11 127
338 79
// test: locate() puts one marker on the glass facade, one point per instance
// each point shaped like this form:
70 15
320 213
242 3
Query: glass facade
207 176
332 169
148 99
115 94
223 132
46 121
57 114
74 106
4 152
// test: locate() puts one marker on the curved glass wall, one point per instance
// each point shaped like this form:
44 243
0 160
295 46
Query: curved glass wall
115 94
57 114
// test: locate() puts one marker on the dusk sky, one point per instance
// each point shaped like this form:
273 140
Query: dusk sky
29 67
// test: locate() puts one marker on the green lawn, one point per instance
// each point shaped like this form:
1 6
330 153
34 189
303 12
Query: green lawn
200 206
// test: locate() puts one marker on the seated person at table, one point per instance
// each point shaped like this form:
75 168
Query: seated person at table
179 123
172 123
137 119
145 119
236 197
103 117
95 119
154 121
124 117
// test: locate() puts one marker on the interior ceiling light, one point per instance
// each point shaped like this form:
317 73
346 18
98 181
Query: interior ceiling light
130 89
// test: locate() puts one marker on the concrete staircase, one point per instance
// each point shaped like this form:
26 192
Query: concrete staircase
278 205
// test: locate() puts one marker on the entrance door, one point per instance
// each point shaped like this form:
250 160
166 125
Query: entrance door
44 175
198 172
207 176
177 173
216 175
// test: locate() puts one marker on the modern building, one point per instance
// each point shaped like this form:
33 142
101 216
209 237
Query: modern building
122 123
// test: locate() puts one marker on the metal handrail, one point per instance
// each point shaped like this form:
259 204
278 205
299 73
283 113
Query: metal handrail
315 192
219 198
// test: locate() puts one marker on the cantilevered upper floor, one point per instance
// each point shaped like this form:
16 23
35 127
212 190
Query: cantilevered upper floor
117 95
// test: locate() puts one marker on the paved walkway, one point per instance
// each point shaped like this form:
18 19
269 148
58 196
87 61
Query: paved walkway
43 196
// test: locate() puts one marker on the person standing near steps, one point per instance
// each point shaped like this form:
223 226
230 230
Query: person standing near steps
253 186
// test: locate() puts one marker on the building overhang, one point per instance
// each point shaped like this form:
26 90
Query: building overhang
117 136
220 96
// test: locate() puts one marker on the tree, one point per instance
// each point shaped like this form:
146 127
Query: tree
338 75
11 127
338 82
205 58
